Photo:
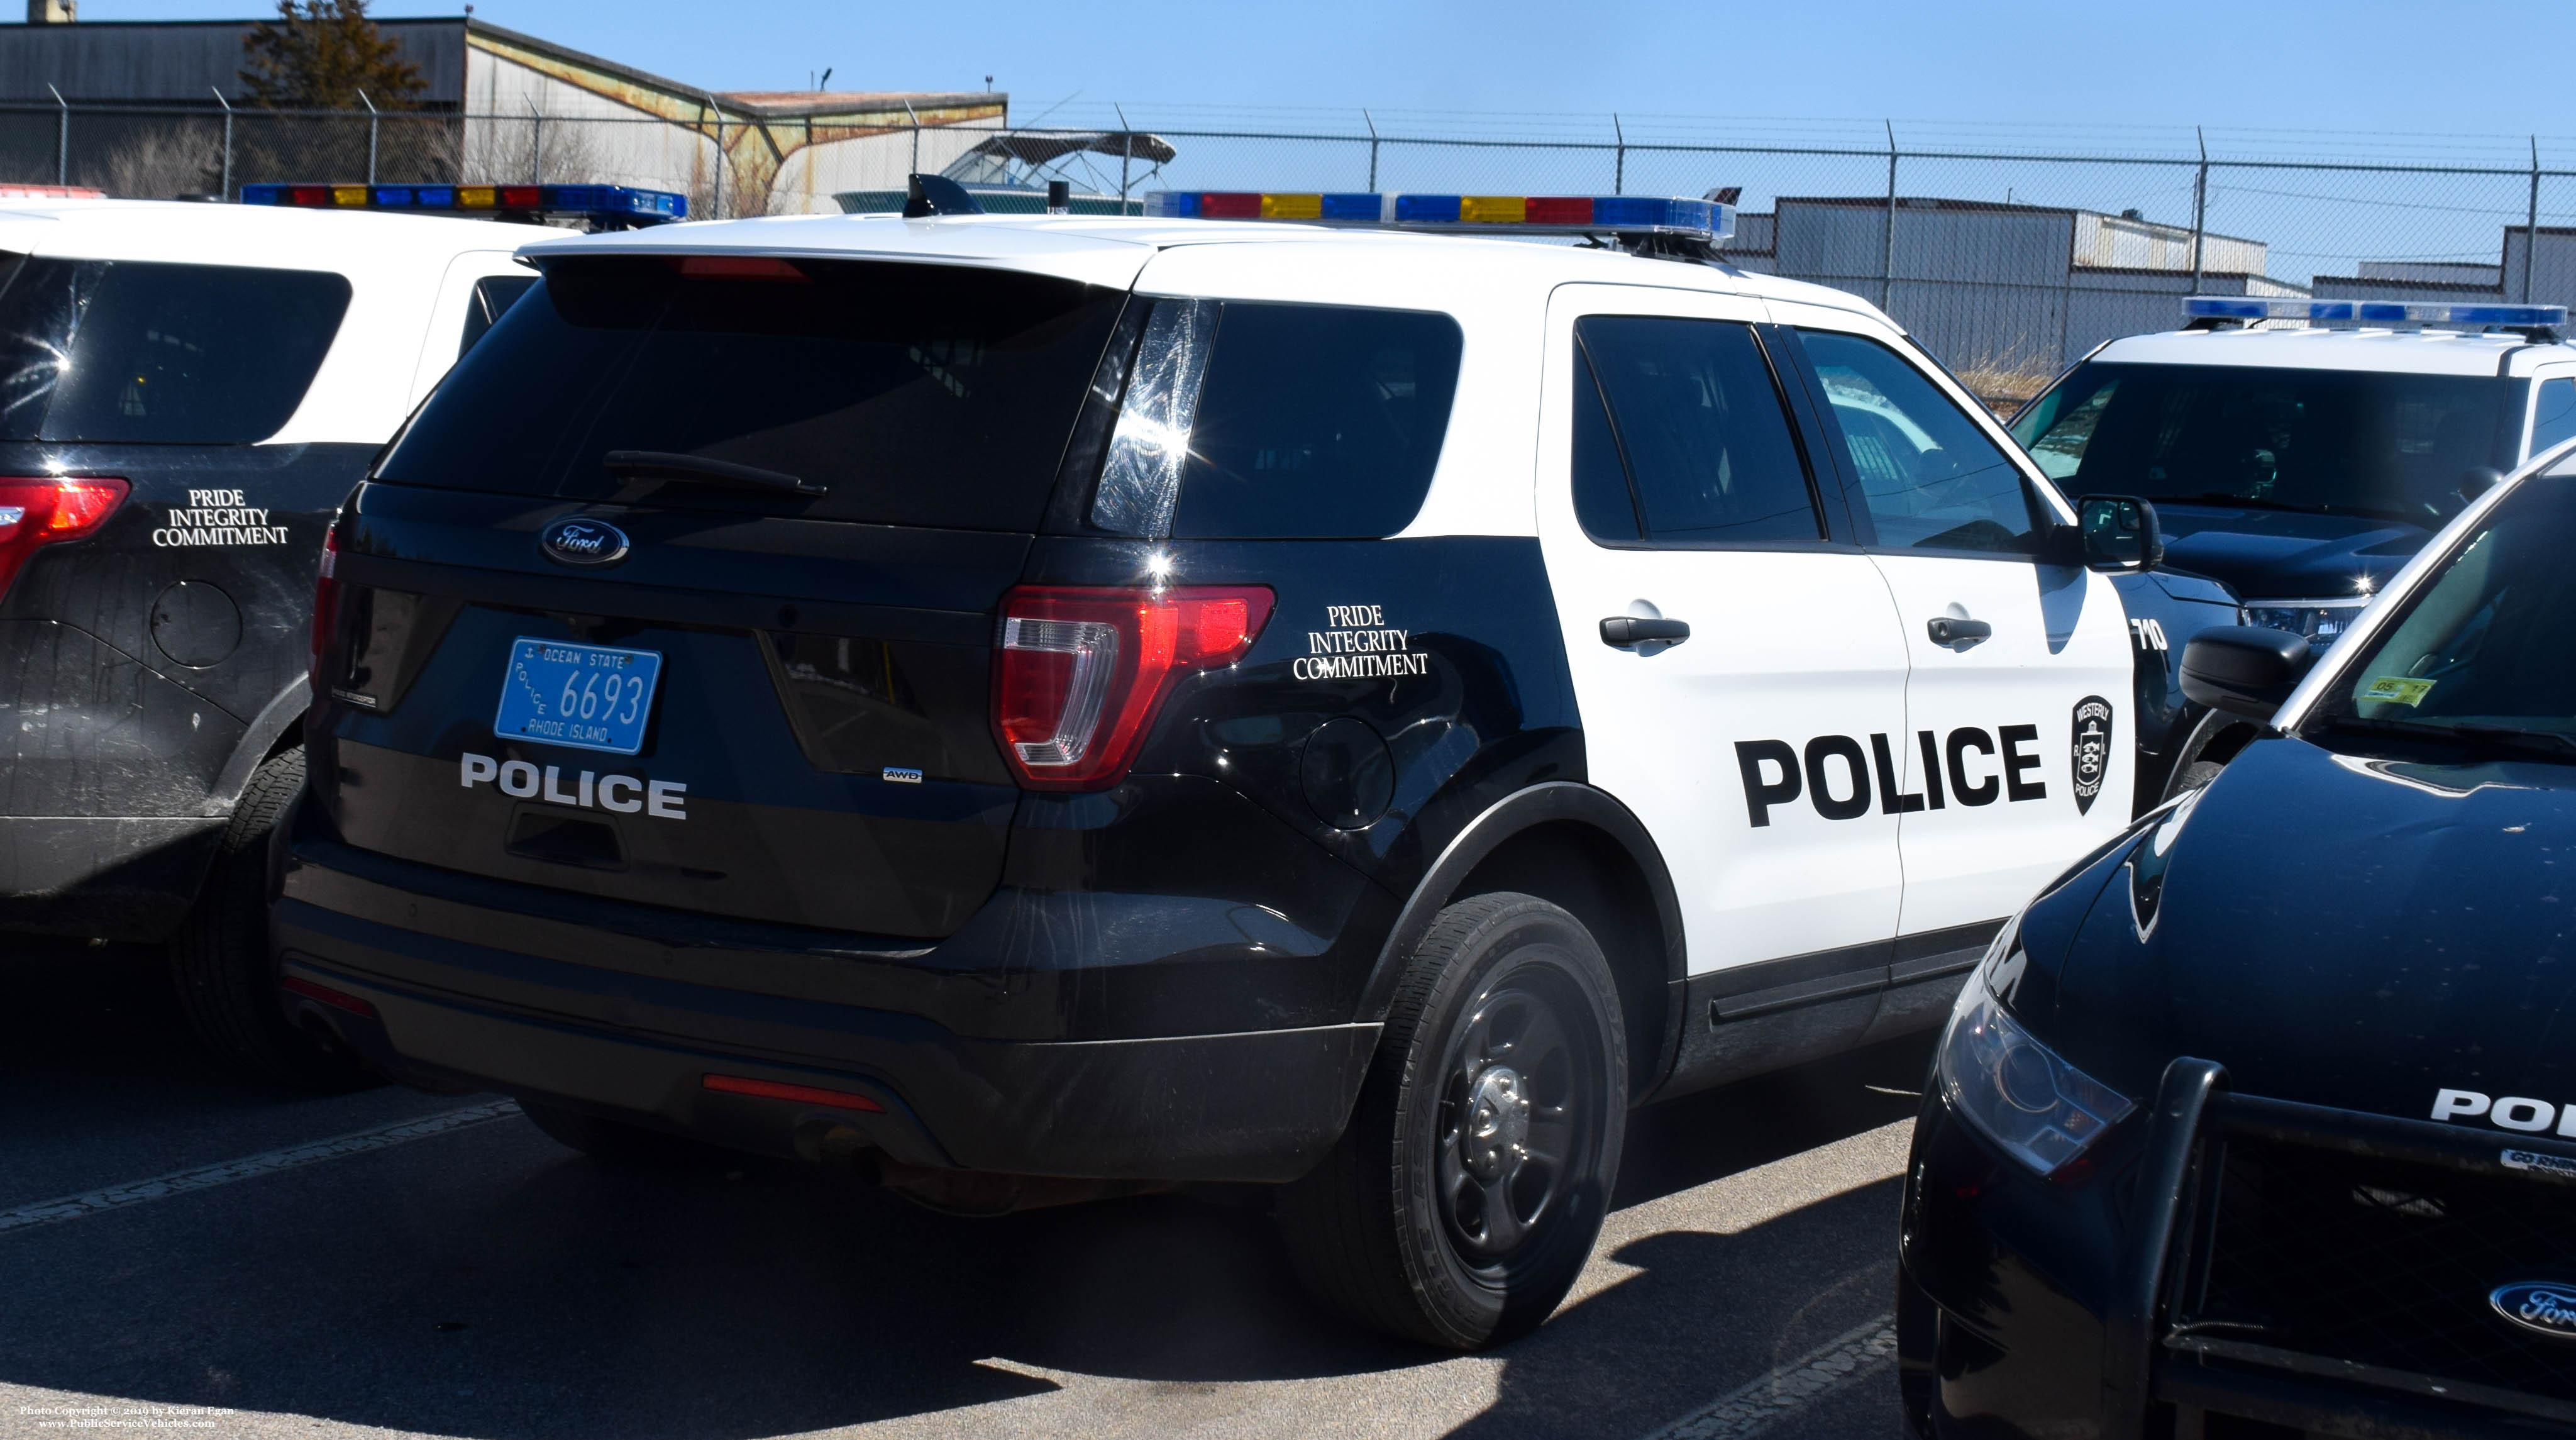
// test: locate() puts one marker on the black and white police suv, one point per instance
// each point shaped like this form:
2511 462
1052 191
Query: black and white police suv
2299 466
1038 707
187 393
2260 1121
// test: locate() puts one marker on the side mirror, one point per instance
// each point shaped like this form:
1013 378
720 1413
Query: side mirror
2243 669
2119 532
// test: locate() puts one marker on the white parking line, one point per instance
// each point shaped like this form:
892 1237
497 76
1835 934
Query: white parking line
1753 1408
73 1207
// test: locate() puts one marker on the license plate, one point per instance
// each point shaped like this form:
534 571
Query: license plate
590 697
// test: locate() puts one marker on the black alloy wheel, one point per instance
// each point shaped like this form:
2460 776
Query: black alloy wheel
1517 1105
1461 1203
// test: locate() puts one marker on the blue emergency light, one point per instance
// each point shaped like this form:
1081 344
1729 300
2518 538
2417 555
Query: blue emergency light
608 204
2369 312
1706 220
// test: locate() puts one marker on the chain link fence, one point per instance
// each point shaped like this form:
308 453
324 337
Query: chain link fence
2009 255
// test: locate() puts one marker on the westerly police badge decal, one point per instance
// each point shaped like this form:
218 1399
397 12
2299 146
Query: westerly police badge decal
2091 752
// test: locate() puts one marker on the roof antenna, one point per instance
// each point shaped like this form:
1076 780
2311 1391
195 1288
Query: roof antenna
928 195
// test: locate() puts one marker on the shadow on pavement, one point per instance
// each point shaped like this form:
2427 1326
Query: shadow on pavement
487 1283
1709 1313
102 1083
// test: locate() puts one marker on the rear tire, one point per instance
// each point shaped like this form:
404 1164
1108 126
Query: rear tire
619 1142
1463 1200
219 962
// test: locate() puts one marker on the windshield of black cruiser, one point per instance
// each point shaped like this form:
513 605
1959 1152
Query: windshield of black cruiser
2484 642
2366 444
931 395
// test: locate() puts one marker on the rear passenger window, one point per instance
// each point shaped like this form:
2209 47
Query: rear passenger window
127 352
2553 416
1316 421
1602 504
1931 478
1695 445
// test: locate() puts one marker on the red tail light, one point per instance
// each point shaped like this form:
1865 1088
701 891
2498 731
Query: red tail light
1080 673
37 511
326 605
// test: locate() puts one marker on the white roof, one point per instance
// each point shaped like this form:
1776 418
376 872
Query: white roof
1111 251
272 236
2418 352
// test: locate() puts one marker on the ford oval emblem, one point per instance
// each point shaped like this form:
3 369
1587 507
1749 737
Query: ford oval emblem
2548 1306
575 540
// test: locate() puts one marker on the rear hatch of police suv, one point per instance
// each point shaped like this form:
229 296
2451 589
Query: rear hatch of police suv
680 592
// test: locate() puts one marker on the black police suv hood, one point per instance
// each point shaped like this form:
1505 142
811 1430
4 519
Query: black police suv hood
2286 555
2334 929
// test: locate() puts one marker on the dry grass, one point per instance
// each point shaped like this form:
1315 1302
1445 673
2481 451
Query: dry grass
157 165
2005 384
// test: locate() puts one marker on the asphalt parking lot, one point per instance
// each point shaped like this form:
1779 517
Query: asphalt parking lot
453 1272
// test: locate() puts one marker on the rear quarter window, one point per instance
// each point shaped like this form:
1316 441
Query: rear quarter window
126 352
1317 421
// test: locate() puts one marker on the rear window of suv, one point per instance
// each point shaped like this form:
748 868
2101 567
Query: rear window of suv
925 395
126 352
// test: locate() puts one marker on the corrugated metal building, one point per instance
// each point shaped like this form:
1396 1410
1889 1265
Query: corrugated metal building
2000 287
496 105
2550 255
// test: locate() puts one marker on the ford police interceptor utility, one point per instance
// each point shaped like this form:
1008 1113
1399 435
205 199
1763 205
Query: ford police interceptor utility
1038 707
188 392
2259 1121
2300 466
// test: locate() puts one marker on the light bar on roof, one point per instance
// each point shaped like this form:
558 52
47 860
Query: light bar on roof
1706 220
2386 312
593 202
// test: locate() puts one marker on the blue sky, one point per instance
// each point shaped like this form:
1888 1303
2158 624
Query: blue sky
2398 70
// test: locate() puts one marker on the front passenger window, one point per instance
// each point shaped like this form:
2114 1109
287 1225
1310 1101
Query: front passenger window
1931 478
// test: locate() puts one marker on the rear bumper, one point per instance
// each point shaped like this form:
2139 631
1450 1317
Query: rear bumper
470 996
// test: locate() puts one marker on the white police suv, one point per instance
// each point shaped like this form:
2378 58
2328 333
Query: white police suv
2301 466
1038 706
187 392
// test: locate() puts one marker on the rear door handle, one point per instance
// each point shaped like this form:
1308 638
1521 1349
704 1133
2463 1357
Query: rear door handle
1627 632
1945 630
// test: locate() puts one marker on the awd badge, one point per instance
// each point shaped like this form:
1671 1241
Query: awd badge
575 540
2091 752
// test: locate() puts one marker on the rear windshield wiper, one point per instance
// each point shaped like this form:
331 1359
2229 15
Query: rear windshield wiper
2545 744
670 465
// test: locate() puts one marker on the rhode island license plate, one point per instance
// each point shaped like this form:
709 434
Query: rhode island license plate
592 697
